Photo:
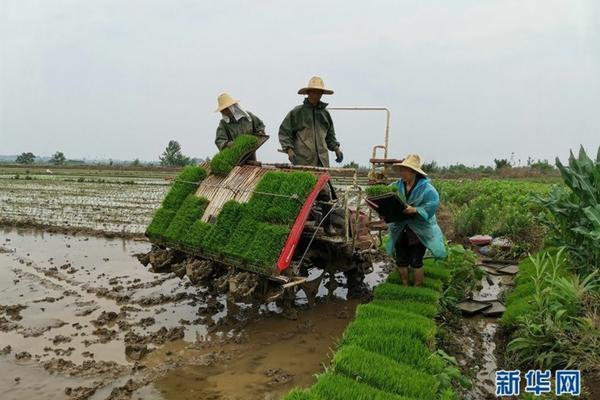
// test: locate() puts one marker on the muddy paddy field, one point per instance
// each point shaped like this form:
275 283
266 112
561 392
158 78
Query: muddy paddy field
82 318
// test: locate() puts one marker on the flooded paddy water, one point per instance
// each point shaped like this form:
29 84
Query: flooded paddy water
80 317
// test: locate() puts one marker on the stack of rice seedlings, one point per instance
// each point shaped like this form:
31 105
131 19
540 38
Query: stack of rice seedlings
392 291
408 326
227 221
384 373
160 223
238 242
293 190
420 308
400 347
186 183
431 283
229 157
333 386
261 199
197 234
437 271
265 245
388 349
377 190
191 210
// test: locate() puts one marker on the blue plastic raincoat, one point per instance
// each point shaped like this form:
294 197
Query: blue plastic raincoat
426 200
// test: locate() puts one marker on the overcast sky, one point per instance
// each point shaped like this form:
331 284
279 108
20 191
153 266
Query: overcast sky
467 81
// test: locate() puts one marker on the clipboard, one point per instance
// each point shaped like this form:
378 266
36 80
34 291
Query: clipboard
389 206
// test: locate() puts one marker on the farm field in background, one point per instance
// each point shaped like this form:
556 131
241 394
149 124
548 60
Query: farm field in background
121 201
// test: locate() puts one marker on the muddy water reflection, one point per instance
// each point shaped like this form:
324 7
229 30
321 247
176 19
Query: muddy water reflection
70 306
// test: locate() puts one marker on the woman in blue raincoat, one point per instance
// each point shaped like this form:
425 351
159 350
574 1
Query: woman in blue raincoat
419 231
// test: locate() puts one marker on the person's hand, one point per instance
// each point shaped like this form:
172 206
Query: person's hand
339 155
291 156
410 210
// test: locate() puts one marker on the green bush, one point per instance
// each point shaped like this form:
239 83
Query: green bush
185 183
192 208
572 215
550 319
377 190
160 222
229 157
384 373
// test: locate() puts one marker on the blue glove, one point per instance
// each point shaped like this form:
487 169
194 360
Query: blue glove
340 155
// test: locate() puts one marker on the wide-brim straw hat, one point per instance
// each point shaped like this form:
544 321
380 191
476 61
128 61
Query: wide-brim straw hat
315 83
412 161
225 100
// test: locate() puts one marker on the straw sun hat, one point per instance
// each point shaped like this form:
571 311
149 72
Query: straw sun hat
412 161
225 100
315 83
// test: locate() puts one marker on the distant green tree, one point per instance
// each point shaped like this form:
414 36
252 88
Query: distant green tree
430 167
172 156
26 158
351 164
58 158
136 163
502 163
542 165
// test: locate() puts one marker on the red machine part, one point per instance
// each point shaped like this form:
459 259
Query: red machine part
285 258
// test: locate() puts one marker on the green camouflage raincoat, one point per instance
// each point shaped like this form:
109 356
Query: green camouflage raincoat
227 131
308 130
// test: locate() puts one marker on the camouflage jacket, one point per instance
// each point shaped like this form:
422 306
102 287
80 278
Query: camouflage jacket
227 131
308 130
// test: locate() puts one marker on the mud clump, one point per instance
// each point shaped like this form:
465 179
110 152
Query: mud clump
80 393
143 258
105 318
278 377
243 285
105 335
6 325
88 369
159 337
23 356
6 350
125 391
162 260
136 351
199 271
58 339
13 311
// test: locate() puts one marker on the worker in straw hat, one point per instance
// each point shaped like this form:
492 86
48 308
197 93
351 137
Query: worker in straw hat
307 133
235 121
418 231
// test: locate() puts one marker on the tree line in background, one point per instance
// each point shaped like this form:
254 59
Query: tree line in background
173 156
